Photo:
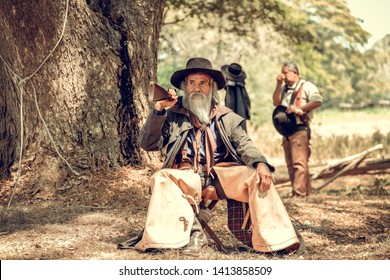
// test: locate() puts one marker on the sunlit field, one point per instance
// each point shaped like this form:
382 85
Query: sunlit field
335 134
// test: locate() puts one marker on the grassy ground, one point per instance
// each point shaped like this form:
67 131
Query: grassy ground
349 219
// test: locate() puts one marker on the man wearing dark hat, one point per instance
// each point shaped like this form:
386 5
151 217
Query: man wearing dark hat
236 97
295 103
208 156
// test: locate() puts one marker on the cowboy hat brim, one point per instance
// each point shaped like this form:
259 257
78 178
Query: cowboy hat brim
284 123
180 75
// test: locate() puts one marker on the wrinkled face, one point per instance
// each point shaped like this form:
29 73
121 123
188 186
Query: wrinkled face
198 95
198 82
290 77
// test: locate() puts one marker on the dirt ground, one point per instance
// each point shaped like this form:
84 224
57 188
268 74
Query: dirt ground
348 219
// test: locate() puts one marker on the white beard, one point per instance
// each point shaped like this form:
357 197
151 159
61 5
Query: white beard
199 104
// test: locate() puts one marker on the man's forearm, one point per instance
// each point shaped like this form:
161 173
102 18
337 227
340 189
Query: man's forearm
150 138
277 96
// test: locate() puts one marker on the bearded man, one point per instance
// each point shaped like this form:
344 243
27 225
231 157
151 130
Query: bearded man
208 156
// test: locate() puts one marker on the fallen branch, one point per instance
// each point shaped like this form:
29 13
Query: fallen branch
356 164
367 166
349 166
346 161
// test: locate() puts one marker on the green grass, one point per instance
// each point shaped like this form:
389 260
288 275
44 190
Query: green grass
335 134
335 115
339 146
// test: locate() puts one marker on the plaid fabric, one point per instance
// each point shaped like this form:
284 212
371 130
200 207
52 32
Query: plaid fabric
235 220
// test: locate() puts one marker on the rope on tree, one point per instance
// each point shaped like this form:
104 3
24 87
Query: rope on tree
21 84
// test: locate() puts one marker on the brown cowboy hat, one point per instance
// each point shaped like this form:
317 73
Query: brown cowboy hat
234 72
285 124
198 65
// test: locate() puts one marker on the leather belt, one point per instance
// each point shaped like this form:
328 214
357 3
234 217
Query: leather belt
184 166
188 165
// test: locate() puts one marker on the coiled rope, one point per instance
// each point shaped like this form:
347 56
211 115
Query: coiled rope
21 84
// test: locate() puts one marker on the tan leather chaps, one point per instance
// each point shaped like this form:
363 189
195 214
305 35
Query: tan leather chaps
170 214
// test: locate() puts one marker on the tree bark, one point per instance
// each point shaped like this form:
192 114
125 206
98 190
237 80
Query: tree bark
91 91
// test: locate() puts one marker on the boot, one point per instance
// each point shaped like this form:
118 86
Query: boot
198 240
130 243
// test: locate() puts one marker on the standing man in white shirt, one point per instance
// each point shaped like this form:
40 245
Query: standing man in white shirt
296 100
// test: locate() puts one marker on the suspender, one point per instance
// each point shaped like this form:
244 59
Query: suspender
297 95
296 98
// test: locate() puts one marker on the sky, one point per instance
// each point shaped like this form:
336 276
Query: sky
375 14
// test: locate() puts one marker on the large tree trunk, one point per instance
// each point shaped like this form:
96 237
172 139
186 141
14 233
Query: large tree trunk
91 91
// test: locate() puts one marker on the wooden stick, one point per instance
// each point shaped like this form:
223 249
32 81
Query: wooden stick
346 160
352 164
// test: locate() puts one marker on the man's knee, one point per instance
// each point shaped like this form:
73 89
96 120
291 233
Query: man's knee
164 173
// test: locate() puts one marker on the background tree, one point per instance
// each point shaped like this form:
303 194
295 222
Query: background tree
90 90
374 79
337 58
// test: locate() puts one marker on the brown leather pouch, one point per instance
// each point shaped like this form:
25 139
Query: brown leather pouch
210 193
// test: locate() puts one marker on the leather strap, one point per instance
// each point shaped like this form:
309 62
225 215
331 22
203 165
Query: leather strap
297 95
207 228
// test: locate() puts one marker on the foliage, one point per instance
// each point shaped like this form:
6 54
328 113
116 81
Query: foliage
321 36
377 71
242 17
336 60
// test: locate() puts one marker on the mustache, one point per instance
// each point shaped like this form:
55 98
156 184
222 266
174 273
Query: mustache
196 93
